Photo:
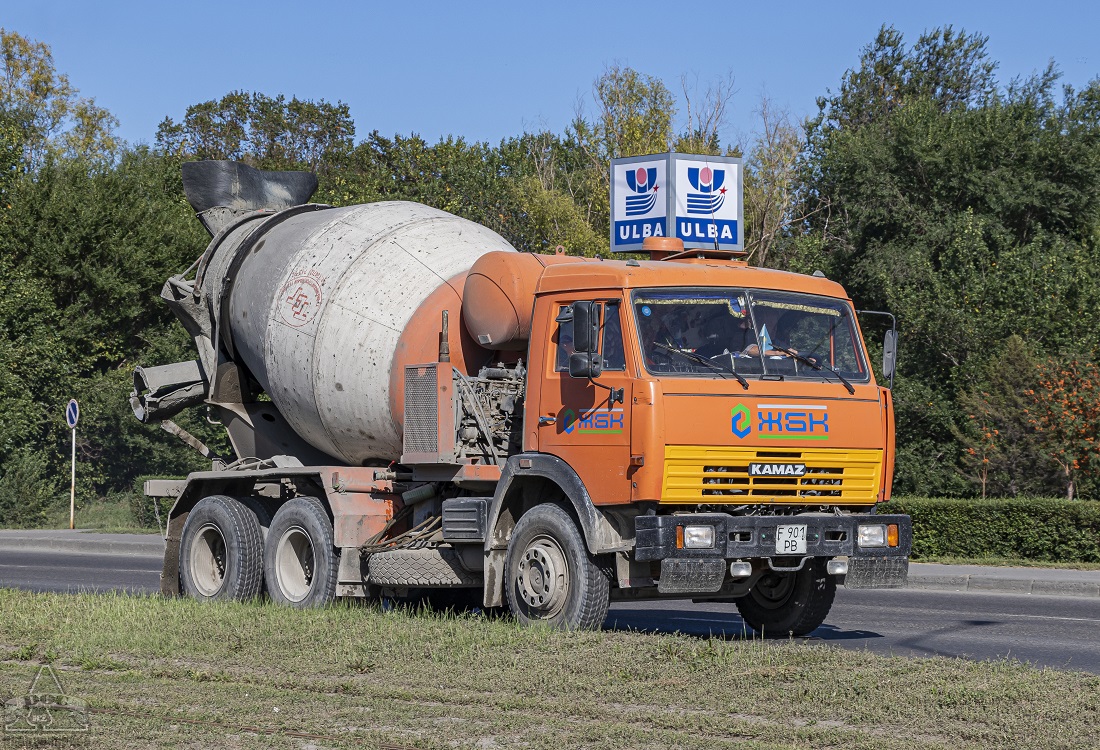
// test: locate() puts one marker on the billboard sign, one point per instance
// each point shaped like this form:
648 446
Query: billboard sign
693 197
639 201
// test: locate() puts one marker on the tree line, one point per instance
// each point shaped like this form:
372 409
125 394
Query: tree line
967 206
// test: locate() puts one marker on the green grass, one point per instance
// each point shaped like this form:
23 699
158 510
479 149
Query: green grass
175 673
105 516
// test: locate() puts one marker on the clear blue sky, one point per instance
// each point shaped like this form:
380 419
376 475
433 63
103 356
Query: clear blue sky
489 70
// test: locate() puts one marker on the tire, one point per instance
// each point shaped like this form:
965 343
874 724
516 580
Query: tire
549 575
439 567
786 604
262 511
221 551
300 562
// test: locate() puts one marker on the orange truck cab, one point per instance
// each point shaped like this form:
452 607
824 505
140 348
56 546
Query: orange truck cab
725 422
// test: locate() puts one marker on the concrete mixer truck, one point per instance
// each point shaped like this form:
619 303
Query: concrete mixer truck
413 406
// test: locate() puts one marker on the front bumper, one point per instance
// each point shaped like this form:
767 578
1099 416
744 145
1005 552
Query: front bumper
751 538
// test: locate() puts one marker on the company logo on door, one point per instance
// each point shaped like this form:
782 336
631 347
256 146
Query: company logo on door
607 422
782 421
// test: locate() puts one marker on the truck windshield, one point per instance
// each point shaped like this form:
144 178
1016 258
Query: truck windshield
752 332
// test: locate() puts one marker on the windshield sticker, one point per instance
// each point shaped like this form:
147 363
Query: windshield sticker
782 421
794 306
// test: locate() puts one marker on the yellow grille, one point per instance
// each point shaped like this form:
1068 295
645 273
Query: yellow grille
718 474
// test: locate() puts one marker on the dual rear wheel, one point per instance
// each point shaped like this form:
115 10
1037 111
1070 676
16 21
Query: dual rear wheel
226 554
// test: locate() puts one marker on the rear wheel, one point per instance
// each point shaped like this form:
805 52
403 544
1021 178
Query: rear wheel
551 577
300 562
782 604
221 551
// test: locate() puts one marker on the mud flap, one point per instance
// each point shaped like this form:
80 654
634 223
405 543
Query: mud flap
691 576
877 573
170 574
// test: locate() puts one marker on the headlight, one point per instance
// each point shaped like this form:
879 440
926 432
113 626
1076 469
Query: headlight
698 537
872 536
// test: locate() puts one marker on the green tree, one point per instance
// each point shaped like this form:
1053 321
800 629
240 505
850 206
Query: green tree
27 489
969 210
1065 410
1002 451
84 249
46 108
269 133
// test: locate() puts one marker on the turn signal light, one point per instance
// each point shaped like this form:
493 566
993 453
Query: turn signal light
892 535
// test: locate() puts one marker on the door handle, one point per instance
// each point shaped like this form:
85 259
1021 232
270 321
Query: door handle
547 420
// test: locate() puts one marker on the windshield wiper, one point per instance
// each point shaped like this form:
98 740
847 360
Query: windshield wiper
693 357
816 366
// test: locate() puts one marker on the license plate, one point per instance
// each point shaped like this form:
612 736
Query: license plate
790 540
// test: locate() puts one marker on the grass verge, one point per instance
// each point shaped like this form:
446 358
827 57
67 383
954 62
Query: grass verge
174 673
1009 562
105 516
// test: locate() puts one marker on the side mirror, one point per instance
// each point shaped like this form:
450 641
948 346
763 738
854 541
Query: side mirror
586 327
585 365
890 354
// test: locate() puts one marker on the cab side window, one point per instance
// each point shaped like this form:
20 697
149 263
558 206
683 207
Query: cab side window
611 342
565 343
614 356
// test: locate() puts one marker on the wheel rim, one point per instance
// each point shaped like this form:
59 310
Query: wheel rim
295 563
773 590
208 560
543 577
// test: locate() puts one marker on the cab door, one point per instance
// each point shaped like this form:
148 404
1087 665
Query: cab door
580 421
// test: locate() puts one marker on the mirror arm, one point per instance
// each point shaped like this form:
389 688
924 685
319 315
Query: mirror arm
617 394
894 328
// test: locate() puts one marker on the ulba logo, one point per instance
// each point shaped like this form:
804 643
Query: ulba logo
643 182
711 194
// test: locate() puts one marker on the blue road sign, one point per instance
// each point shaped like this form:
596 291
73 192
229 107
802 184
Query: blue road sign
72 413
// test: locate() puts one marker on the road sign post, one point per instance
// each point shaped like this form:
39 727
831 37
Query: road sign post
72 416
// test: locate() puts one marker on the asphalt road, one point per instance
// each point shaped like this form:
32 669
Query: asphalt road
1061 632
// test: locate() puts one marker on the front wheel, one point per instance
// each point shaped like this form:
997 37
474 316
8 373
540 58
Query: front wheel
300 562
550 576
782 604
